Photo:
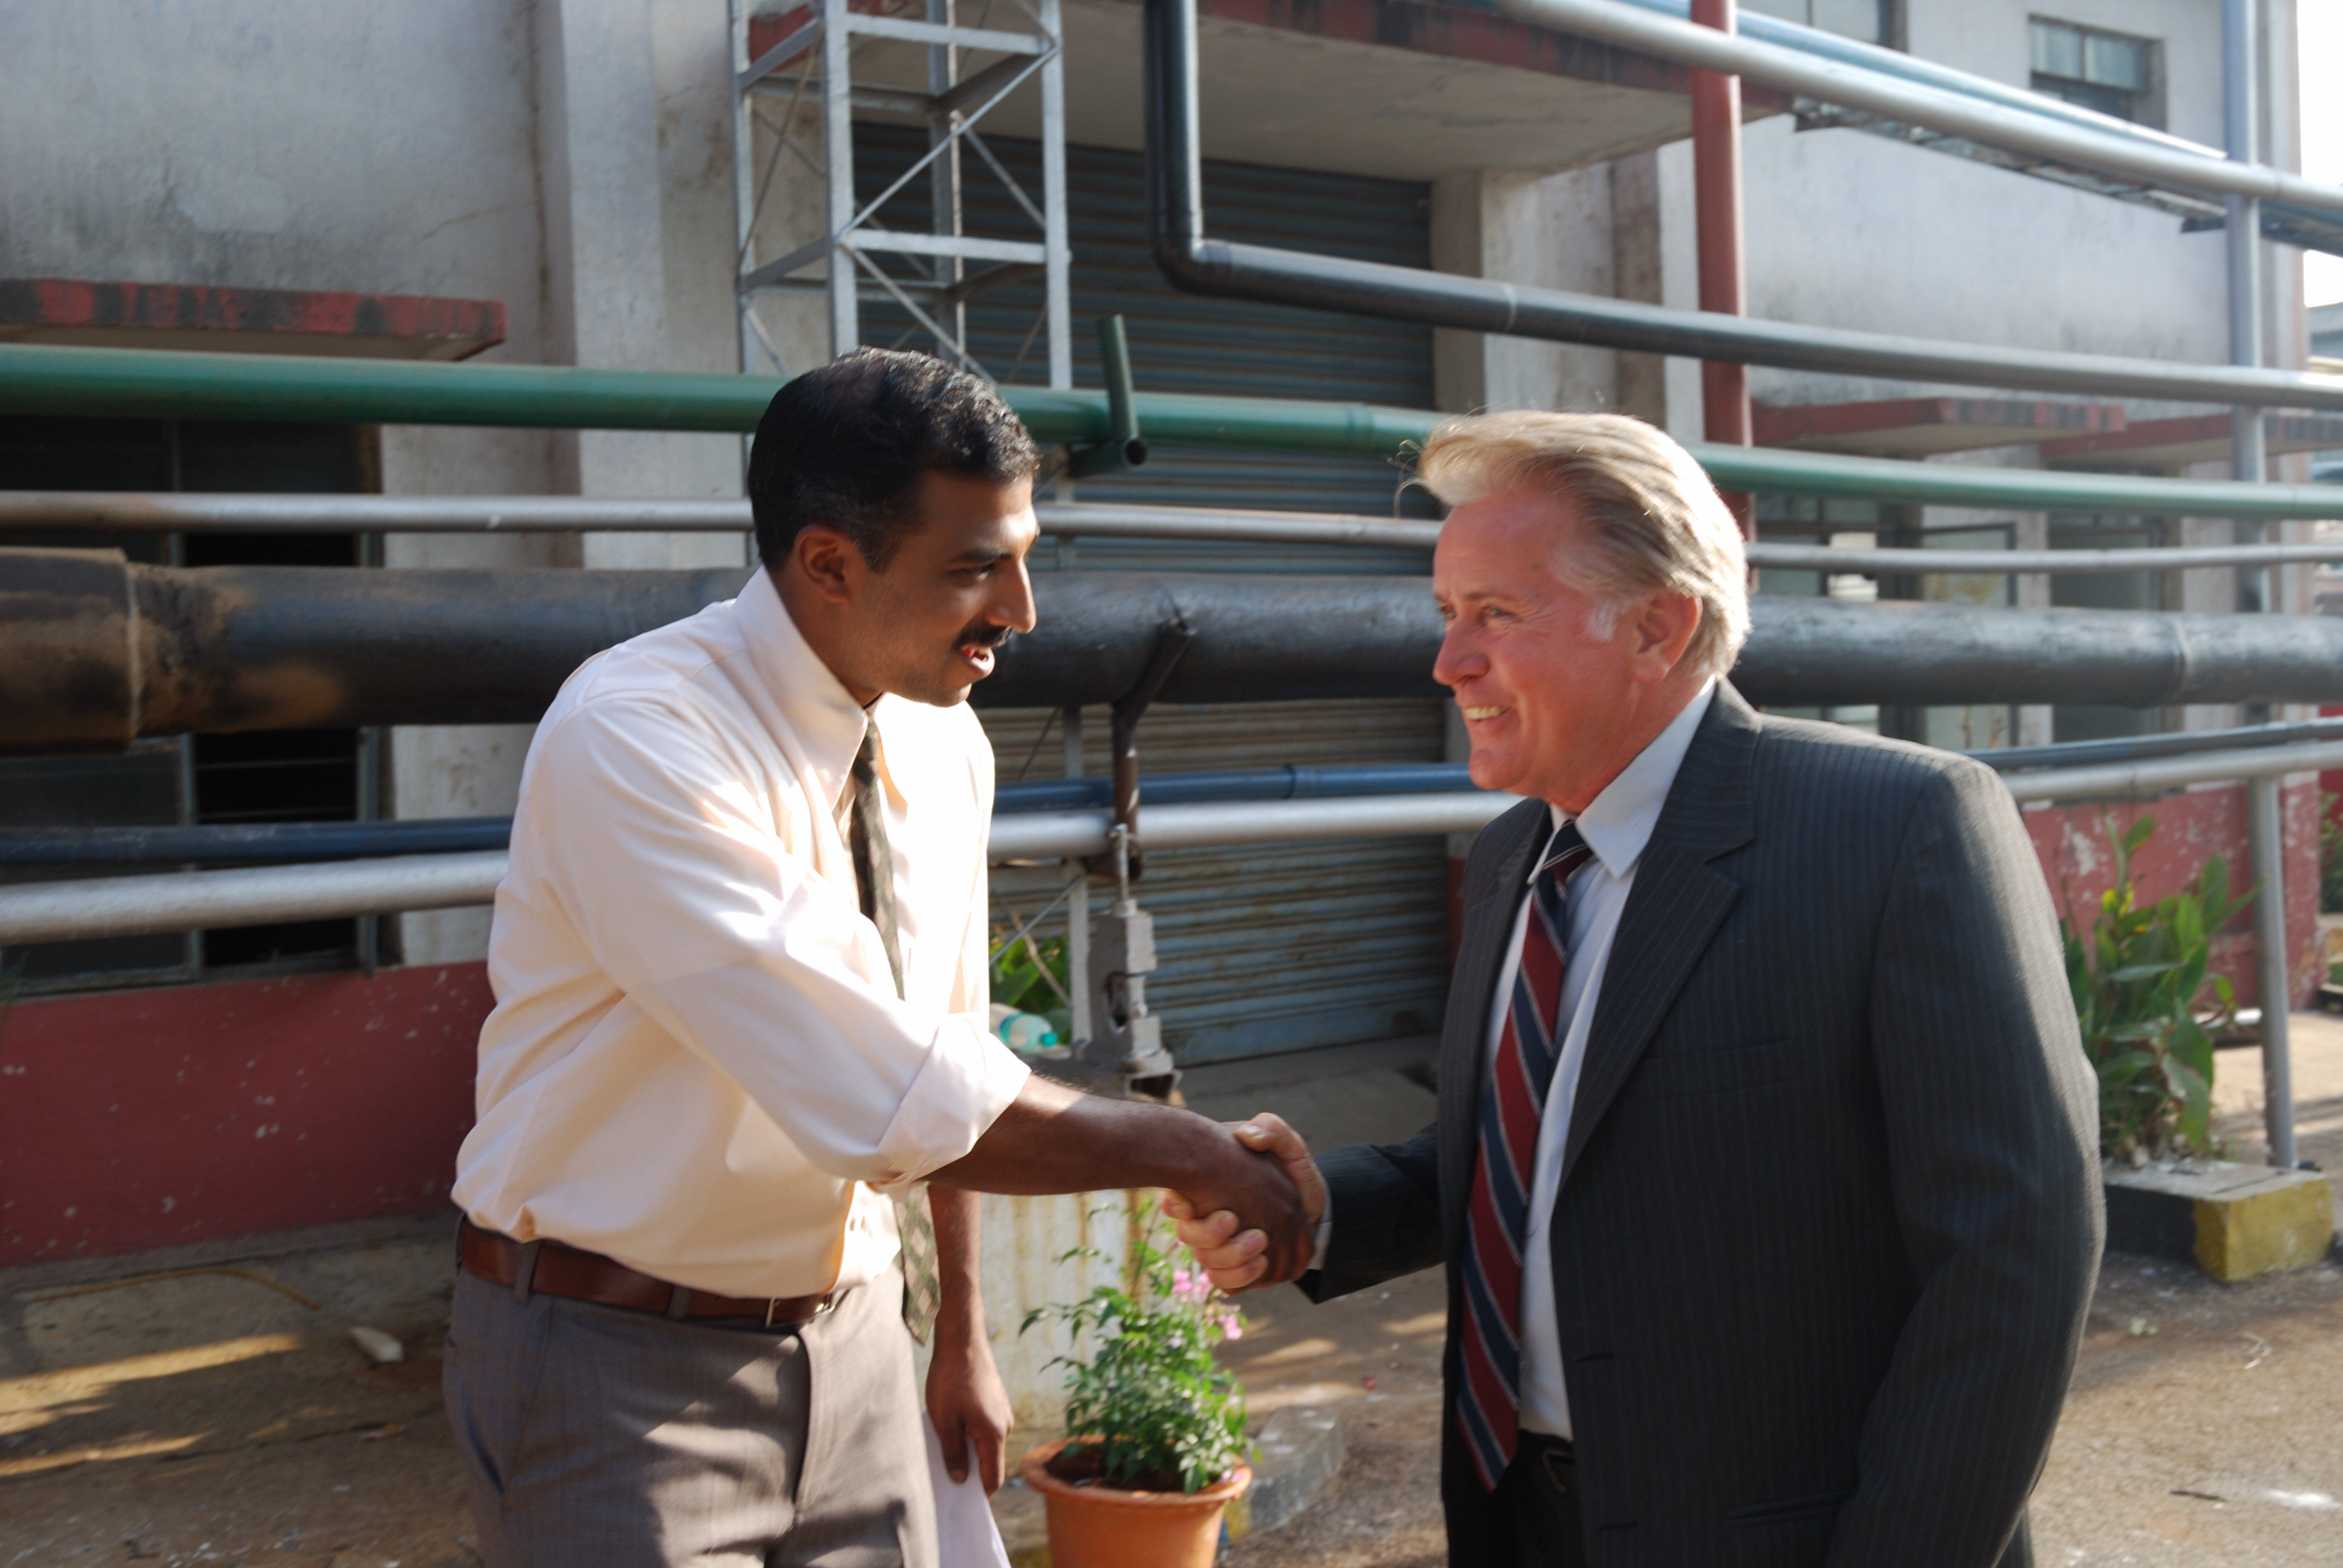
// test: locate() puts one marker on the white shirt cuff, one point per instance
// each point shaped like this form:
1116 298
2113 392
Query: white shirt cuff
968 1081
1325 1230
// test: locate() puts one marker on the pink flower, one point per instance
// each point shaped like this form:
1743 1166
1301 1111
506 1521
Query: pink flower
1232 1326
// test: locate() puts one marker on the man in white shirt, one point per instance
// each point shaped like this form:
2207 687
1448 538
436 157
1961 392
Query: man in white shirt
740 962
1766 1173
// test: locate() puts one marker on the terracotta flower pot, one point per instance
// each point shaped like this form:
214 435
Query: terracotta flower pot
1099 1526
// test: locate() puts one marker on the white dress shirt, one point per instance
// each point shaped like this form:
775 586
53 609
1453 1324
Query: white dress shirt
698 1063
1616 825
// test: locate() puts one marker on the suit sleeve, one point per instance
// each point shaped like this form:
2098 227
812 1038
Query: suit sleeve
1992 1123
1385 1203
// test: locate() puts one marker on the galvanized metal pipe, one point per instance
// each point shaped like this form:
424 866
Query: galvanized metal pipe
1193 261
2267 822
2054 563
2119 780
91 909
1878 59
66 513
1915 104
96 907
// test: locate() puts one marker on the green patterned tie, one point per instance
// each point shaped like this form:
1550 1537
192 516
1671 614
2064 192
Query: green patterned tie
874 883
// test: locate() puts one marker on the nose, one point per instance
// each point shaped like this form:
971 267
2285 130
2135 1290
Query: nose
1014 608
1459 660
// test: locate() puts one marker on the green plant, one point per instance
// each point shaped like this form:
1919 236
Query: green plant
2138 976
1150 1402
1030 976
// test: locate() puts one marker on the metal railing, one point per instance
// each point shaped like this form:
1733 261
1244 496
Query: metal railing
87 908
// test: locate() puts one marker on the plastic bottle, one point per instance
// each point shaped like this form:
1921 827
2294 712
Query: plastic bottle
1022 1031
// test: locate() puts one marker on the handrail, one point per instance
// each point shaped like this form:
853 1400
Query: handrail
90 909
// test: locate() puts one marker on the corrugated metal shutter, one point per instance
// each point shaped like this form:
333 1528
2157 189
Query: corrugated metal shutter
1271 948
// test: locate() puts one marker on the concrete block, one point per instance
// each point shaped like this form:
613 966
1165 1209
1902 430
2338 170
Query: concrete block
1300 1449
2234 1221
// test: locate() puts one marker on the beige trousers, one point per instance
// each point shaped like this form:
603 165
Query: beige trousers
599 1438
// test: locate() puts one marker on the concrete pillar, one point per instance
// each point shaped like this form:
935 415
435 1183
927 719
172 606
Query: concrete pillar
632 117
1549 231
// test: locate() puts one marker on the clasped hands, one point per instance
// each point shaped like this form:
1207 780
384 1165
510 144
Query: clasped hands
1240 1244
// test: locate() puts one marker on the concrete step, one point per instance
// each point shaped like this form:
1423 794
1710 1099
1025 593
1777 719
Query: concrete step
2234 1221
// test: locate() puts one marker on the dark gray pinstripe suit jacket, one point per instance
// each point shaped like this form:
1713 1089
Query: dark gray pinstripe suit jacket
1830 1216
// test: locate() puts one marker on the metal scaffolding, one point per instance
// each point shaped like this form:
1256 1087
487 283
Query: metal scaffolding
805 83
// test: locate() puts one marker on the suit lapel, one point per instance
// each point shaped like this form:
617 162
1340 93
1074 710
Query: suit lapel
1490 907
1673 911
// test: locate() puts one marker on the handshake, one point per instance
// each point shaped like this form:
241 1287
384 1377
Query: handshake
1253 1219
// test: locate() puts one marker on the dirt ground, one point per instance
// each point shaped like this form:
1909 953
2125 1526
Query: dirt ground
212 1417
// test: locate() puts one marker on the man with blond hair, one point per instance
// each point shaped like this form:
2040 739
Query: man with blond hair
1764 1175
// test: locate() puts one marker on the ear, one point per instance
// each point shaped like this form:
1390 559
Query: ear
1663 627
829 561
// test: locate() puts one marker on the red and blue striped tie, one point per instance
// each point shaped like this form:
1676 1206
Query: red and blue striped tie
1496 1219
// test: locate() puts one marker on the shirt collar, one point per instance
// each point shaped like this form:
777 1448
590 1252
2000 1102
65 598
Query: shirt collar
823 714
1618 823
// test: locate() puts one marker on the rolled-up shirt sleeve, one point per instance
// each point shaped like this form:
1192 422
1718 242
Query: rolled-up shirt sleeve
679 883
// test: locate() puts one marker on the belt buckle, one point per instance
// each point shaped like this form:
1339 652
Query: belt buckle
772 1303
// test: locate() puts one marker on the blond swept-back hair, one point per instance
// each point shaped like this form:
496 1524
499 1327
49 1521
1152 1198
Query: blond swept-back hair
1654 523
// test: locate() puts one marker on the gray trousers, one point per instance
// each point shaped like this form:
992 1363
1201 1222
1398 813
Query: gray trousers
601 1438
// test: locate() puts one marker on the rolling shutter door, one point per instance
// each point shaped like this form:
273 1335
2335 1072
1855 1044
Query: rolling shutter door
1266 948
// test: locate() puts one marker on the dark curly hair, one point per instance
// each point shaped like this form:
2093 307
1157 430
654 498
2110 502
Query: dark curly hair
845 447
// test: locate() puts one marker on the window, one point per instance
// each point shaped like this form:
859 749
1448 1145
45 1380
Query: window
2108 72
1873 20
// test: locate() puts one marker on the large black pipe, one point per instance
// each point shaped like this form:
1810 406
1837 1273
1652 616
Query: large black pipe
95 652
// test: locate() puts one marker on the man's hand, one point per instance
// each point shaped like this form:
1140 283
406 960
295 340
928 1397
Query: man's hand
1237 1259
966 1399
1053 1138
967 1402
1263 1220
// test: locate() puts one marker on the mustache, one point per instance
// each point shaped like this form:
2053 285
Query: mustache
983 635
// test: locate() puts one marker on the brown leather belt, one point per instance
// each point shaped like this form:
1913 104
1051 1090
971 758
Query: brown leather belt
559 1270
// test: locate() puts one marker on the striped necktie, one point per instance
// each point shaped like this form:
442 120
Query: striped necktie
874 884
1497 1215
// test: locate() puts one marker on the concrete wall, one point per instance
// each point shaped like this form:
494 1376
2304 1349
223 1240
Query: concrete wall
572 158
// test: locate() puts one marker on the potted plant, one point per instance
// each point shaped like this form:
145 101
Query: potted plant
2137 976
1155 1450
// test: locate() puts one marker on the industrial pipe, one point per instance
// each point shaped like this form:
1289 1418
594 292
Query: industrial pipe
67 513
1725 417
101 651
1225 268
1912 103
167 384
91 909
160 384
2114 782
87 909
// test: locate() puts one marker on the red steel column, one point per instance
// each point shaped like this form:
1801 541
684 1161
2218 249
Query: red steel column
1717 197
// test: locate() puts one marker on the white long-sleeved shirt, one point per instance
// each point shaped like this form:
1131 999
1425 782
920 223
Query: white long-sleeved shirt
1616 825
698 1063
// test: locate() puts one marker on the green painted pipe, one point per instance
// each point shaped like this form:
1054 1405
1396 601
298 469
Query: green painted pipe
154 383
